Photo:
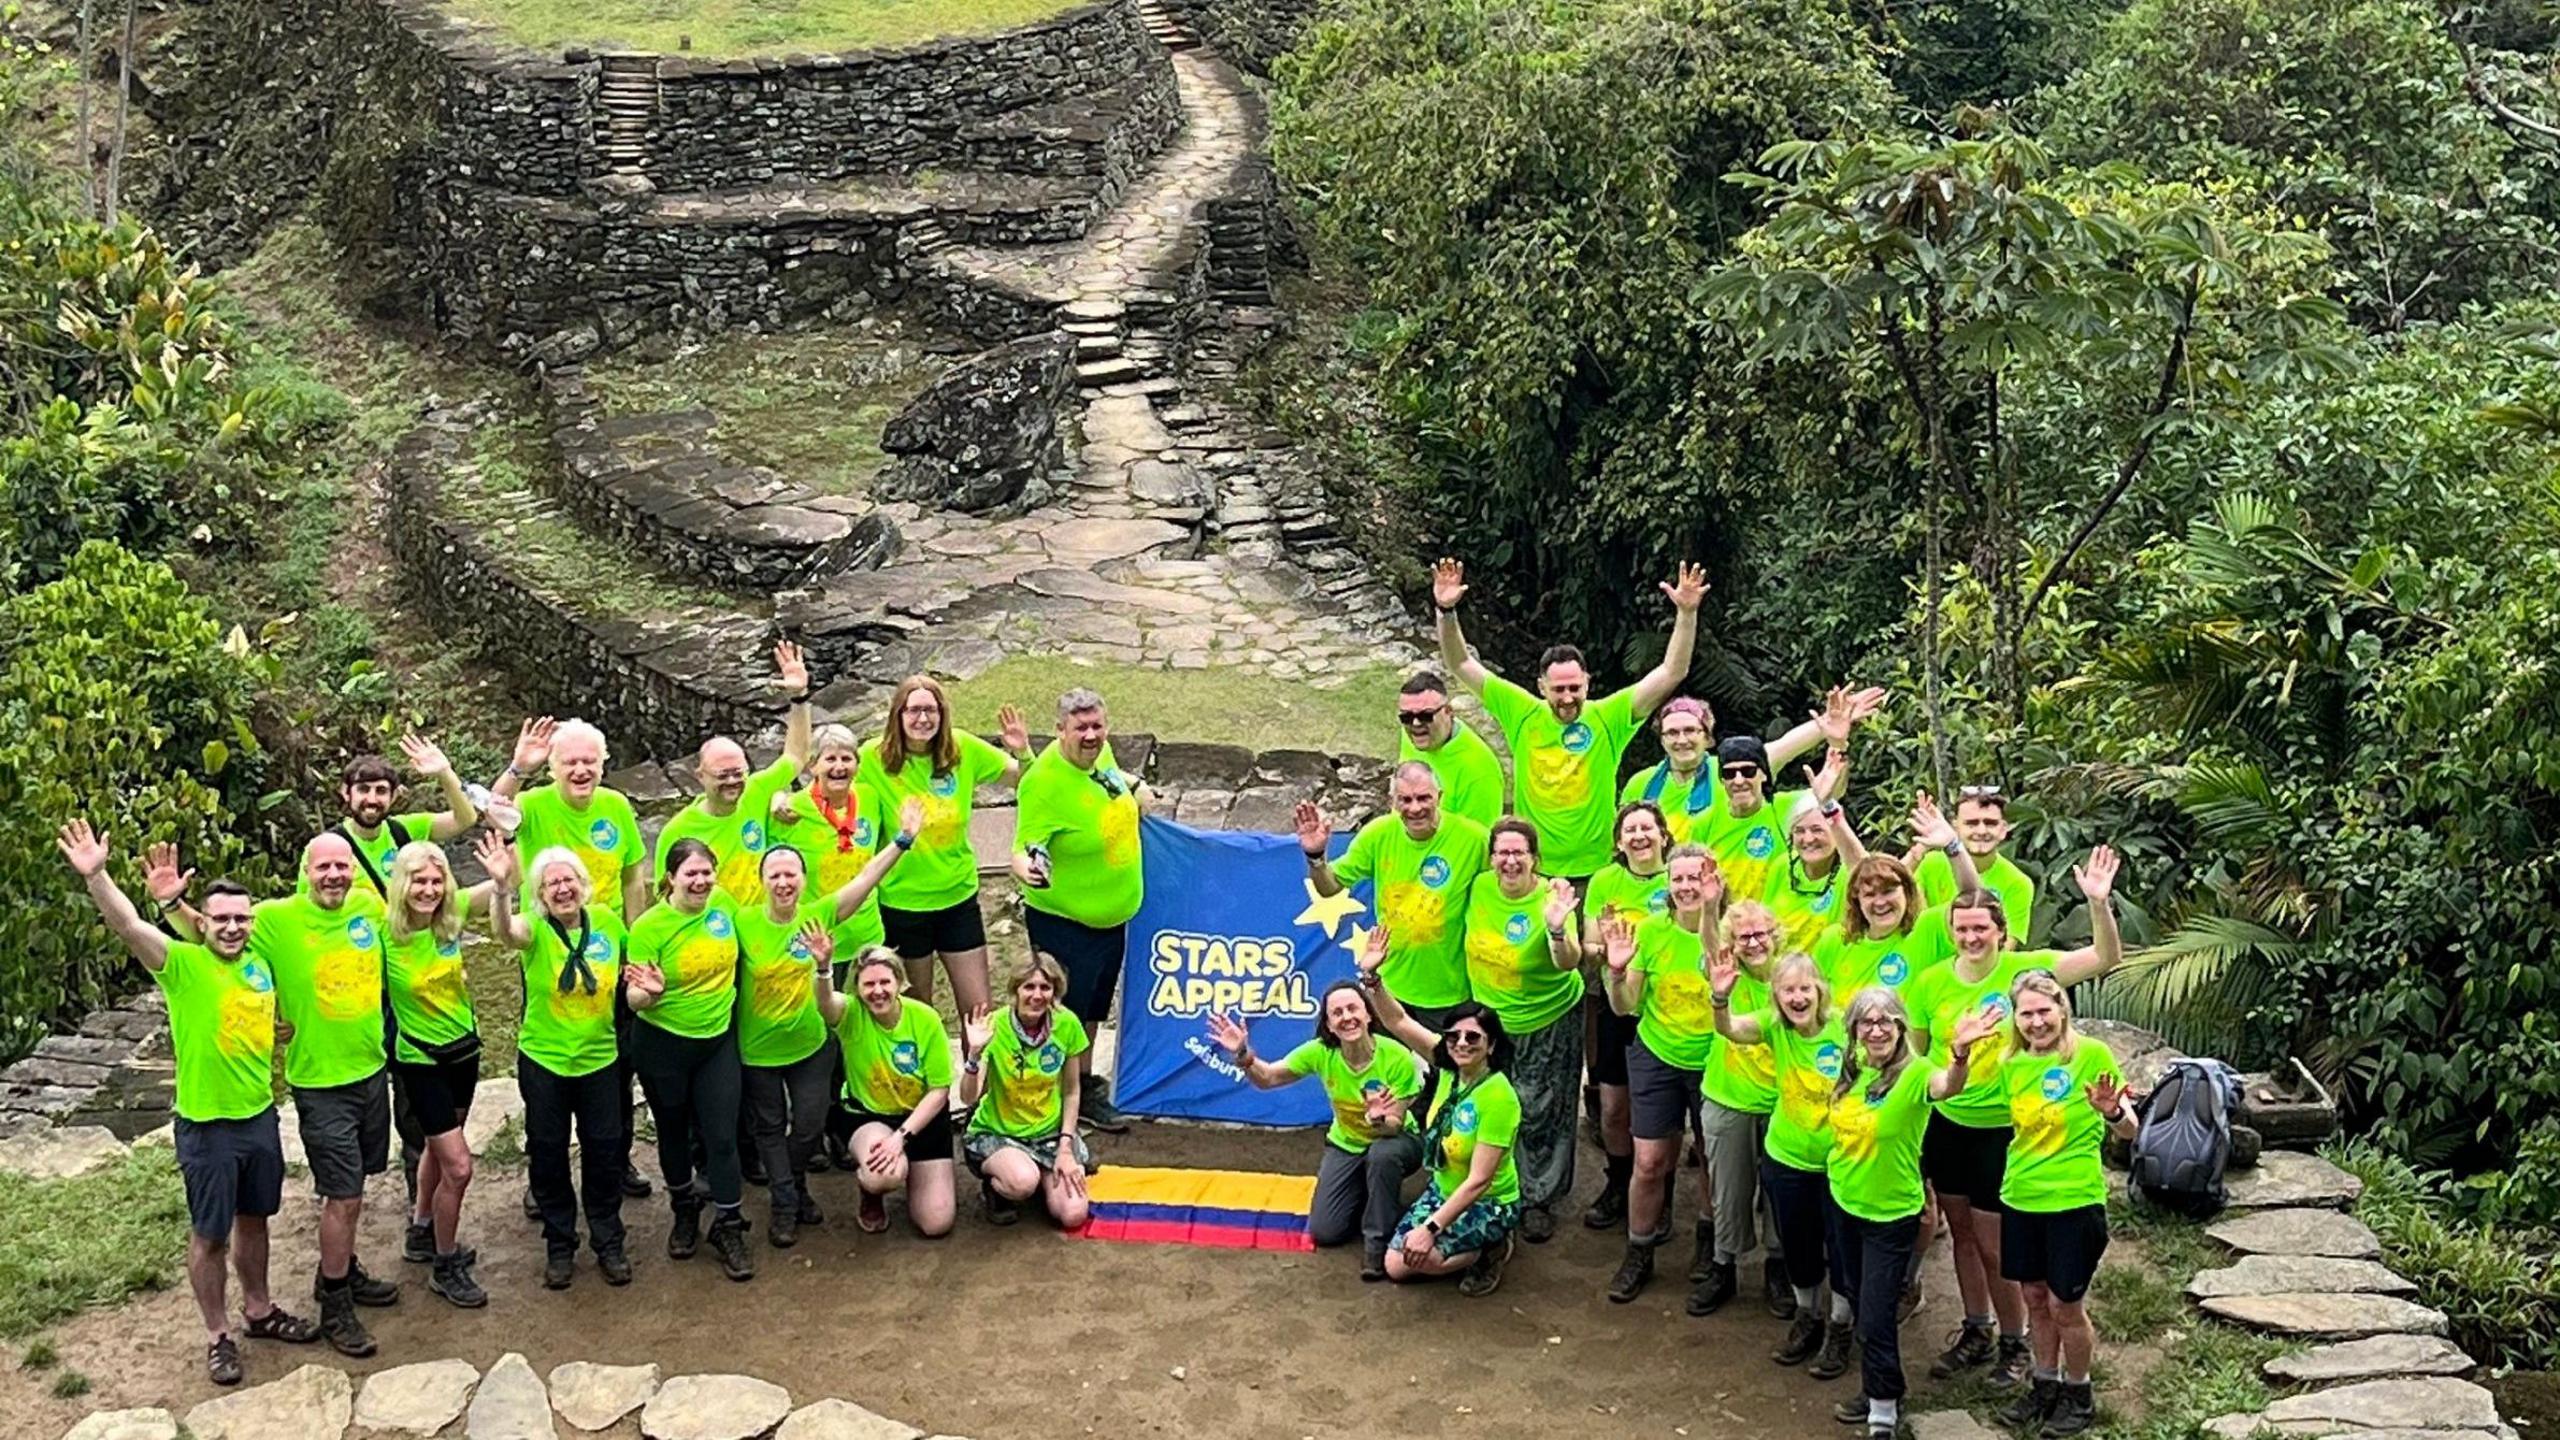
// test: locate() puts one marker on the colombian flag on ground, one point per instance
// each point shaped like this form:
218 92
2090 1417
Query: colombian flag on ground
1228 1209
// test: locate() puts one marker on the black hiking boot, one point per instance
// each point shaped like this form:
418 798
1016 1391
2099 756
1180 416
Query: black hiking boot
685 1235
1708 1295
340 1327
1633 1272
1608 1209
999 1210
635 1186
615 1264
532 1207
372 1292
1095 1110
2075 1409
1373 1262
729 1243
452 1279
1972 1347
782 1226
1485 1276
1703 1259
1537 1224
1804 1336
1838 1339
809 1213
2025 1414
418 1246
2011 1365
559 1269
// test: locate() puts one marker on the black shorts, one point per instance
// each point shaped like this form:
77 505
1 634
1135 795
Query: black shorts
346 1134
437 1092
1615 1035
1965 1163
232 1168
1662 1098
934 1142
2057 1249
915 934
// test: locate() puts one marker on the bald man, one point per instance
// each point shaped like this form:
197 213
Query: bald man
733 815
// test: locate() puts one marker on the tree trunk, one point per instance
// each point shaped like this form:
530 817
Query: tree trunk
124 103
88 141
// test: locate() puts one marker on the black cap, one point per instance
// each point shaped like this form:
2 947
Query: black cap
1742 747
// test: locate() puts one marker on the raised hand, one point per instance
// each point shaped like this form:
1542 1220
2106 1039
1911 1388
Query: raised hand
533 744
1560 903
1228 1033
1979 1026
1312 834
1373 951
1843 709
1929 824
161 877
1722 972
792 666
1712 879
1017 736
911 816
1832 778
1618 939
85 848
2107 1096
646 983
820 945
1686 591
1448 583
426 761
496 857
978 1031
2098 878
784 810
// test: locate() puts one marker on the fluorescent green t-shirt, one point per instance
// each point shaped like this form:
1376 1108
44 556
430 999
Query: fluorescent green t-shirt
942 870
1488 1114
737 839
1685 799
1937 877
1750 850
1392 1070
1564 778
381 849
429 1000
1940 999
1875 1146
327 965
1508 964
568 1027
1420 888
605 836
222 1030
1021 1100
1895 962
697 955
1470 774
1677 1020
2053 1147
889 1069
1800 1125
835 851
1807 909
1744 1077
1634 898
1088 819
778 1019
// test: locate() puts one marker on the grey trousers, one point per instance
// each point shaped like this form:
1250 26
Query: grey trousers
786 1109
1546 1070
1734 1139
1362 1194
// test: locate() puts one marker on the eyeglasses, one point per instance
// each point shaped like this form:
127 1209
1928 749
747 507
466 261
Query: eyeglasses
1879 1022
1744 771
1466 1037
927 708
1417 719
1754 937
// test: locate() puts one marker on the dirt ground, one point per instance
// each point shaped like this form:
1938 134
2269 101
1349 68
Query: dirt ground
1021 1333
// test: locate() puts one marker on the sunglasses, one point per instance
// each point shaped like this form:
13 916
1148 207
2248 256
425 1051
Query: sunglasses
1466 1037
1979 792
1744 771
1416 719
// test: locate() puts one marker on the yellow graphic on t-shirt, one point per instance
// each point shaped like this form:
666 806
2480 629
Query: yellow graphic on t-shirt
741 876
578 1008
1120 831
703 963
1493 963
1019 1097
902 1091
942 828
1559 779
1853 1125
2038 1114
248 1022
836 868
437 986
348 983
1684 1001
1414 913
782 990
1804 1092
604 870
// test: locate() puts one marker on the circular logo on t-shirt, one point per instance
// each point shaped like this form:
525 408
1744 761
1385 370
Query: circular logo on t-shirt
599 949
1659 902
1463 1119
862 832
1822 902
716 926
905 1058
1516 929
751 835
1576 737
799 947
2057 1083
604 835
1761 843
1051 1058
1826 1058
448 949
1996 999
255 976
1372 1088
360 933
1894 969
946 785
1434 872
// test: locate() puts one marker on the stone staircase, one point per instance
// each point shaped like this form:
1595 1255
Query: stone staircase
1170 30
627 92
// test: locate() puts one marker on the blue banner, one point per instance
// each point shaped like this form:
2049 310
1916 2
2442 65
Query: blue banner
1231 924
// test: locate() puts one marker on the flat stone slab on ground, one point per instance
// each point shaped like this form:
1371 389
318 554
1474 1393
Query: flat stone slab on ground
593 1397
842 1420
2327 1317
2371 1358
1950 1425
60 1152
2288 1178
2298 1232
714 1407
493 1104
2428 1402
2300 1275
2250 1426
419 1399
145 1424
313 1403
511 1405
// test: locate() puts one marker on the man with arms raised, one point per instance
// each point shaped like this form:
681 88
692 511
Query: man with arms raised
1422 862
222 1031
370 785
1075 850
734 811
1470 773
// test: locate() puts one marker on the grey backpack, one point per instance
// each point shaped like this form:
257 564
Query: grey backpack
2184 1145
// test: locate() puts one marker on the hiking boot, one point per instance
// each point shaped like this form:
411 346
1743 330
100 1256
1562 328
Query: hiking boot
1095 1110
418 1246
281 1324
1703 1259
1537 1225
1485 1276
1708 1295
782 1227
559 1268
371 1291
635 1186
839 1154
819 1163
532 1207
2010 1366
1633 1272
2075 1408
1838 1338
1774 1287
808 1212
2025 1415
1852 1411
453 1280
614 1263
1804 1336
1972 1347
222 1362
1608 1209
340 1327
1373 1262
685 1235
999 1210
729 1243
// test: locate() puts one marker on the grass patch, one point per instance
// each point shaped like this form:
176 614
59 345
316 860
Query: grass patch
91 1240
507 1146
808 405
40 1355
1216 706
748 27
70 1385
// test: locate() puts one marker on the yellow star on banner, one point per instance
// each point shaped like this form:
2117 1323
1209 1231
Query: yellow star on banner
1328 911
1358 944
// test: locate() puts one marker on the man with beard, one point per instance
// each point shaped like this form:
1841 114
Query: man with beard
1469 773
368 788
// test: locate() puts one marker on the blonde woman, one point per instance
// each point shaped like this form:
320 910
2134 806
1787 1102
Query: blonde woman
897 1087
435 1055
2065 1096
1028 1061
1803 1036
838 824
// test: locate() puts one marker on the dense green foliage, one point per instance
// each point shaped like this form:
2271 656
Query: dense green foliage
2474 1255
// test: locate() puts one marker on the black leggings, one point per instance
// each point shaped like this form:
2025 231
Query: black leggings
692 1084
1802 1202
787 1116
1875 1257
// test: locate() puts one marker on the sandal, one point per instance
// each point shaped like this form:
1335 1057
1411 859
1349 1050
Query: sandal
282 1324
222 1361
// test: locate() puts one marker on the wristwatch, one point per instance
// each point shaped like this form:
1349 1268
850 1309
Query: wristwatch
969 1066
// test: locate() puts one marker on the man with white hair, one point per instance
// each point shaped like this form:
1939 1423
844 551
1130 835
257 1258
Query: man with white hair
733 815
577 810
1075 850
1422 861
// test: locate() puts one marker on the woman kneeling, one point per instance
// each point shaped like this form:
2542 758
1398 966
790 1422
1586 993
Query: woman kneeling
897 1090
1028 1061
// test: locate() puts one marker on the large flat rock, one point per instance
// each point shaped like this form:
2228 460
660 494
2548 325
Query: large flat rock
2433 1402
2373 1358
493 1104
2327 1317
2283 1178
2299 1275
714 1407
144 1424
1950 1425
594 1397
313 1403
842 1420
511 1405
61 1152
2298 1232
416 1399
